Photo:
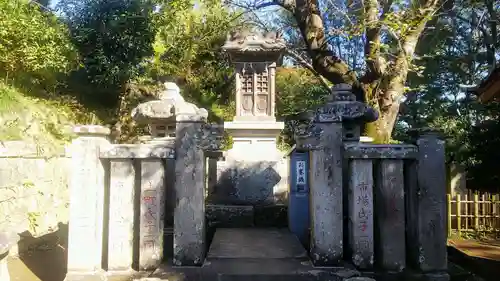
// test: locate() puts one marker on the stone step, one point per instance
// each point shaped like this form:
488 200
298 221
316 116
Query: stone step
221 215
245 269
229 215
255 243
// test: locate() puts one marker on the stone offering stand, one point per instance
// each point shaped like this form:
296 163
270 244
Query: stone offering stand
376 210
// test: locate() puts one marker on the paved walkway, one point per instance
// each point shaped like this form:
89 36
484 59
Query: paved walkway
481 249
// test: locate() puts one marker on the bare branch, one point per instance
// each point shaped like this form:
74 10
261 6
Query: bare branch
309 66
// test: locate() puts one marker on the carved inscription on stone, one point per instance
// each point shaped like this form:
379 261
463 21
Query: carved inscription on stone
361 213
152 213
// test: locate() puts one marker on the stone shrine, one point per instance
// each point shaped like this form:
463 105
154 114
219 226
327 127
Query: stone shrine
254 127
253 171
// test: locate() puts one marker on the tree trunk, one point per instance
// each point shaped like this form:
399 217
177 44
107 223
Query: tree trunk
381 130
383 84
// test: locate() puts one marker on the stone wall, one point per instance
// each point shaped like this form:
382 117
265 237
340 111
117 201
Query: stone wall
249 182
33 188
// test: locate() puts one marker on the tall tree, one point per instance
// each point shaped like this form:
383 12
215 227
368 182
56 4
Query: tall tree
112 37
389 31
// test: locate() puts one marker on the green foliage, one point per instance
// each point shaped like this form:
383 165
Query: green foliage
297 91
46 122
34 44
112 37
482 152
188 52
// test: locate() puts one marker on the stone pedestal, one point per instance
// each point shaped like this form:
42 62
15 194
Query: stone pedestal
254 141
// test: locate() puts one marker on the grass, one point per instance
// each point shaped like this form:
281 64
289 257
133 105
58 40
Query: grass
44 121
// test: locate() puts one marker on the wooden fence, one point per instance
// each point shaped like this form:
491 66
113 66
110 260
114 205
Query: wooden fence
474 212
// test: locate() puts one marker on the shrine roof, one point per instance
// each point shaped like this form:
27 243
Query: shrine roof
249 41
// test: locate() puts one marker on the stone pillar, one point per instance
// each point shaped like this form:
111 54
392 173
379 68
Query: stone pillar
152 213
85 245
326 196
121 214
335 122
189 213
427 206
390 219
360 198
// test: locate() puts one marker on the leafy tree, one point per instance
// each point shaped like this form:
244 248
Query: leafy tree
187 50
482 152
34 44
386 33
296 90
112 37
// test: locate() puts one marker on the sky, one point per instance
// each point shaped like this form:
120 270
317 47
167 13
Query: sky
53 3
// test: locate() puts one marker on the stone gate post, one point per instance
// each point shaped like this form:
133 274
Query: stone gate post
333 123
189 212
192 138
426 199
85 244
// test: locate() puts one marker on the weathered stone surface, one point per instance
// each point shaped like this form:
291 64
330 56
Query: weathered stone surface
91 130
87 200
390 219
326 198
152 213
33 180
189 213
229 215
428 229
342 106
247 41
170 104
86 276
130 151
254 243
308 136
360 199
379 151
360 279
271 216
121 215
211 137
244 182
266 269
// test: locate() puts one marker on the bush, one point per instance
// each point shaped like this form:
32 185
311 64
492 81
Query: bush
34 45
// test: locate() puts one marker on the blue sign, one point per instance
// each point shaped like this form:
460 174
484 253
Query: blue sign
298 204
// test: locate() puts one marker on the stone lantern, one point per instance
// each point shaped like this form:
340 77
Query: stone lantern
254 128
160 115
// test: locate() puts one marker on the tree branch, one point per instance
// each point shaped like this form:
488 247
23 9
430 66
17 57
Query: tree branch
308 17
375 67
309 66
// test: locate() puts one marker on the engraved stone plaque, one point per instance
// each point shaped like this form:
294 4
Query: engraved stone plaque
152 213
361 213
